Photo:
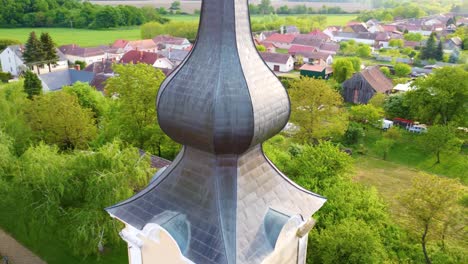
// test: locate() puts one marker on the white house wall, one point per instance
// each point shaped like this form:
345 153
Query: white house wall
282 67
10 62
87 60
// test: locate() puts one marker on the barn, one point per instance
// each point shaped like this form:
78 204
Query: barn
360 88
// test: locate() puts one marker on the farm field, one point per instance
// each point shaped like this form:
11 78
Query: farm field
87 37
83 37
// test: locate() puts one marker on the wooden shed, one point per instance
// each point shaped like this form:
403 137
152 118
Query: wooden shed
360 88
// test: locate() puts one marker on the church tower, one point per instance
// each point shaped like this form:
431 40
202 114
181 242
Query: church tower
221 201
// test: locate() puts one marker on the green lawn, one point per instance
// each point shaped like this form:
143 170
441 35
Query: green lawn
408 152
83 37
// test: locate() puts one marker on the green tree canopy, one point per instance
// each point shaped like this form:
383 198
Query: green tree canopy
48 49
33 52
366 114
428 205
88 97
317 109
440 139
136 107
402 70
441 97
57 118
343 69
32 85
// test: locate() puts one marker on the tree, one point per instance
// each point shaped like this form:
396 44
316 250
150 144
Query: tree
57 118
439 53
396 43
366 114
317 109
384 145
429 51
353 133
89 98
441 97
175 7
402 69
412 36
386 71
32 85
33 53
363 51
48 49
265 7
261 48
428 204
395 106
440 139
378 100
349 241
136 113
7 42
342 69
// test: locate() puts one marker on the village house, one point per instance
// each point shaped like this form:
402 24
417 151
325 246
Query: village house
365 37
307 40
75 53
452 44
290 30
12 61
278 62
330 47
266 34
317 34
147 45
299 48
165 42
176 56
150 58
316 57
362 86
317 71
282 41
329 31
102 71
53 81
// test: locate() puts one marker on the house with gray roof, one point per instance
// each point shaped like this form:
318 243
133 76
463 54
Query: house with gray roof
54 81
12 61
176 56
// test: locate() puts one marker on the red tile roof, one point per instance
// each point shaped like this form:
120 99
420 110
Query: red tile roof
135 56
319 34
120 44
282 38
299 48
143 44
167 39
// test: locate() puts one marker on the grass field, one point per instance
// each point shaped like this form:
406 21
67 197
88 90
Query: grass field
83 37
407 151
87 37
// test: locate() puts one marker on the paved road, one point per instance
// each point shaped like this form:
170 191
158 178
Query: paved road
16 253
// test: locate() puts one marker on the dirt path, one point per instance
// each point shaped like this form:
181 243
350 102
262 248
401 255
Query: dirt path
16 253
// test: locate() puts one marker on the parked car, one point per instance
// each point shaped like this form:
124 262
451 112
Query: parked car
417 129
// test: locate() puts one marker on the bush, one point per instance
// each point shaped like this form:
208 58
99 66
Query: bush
386 71
402 70
353 133
5 76
8 42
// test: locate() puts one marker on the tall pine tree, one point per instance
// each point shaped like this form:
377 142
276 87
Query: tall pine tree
429 51
439 53
32 84
33 54
48 49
